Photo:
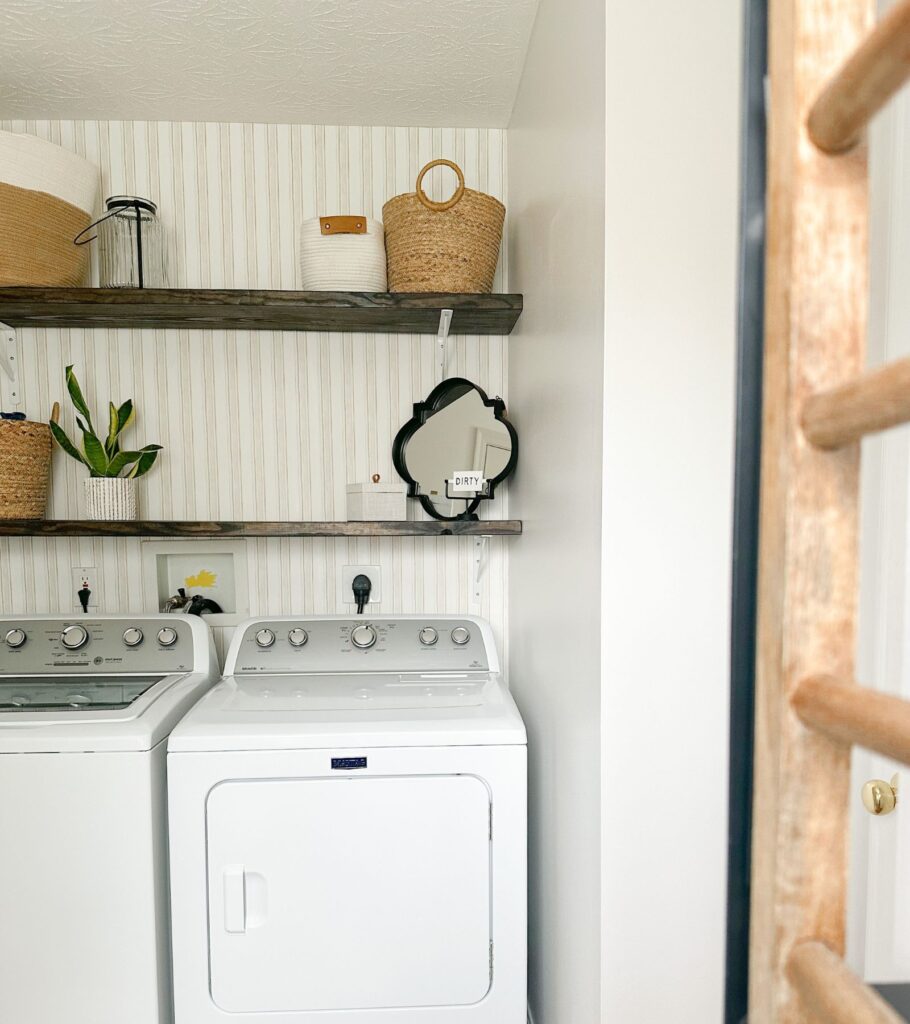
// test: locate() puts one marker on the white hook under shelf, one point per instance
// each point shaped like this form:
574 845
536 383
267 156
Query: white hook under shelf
10 392
442 341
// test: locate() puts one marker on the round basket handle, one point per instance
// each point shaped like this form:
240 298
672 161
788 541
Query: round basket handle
449 203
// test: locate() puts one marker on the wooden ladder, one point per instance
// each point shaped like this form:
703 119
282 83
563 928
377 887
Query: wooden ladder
818 404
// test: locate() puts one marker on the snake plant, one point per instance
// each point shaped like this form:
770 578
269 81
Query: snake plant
104 459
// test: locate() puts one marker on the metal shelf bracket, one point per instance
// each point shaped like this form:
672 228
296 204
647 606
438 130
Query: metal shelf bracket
480 563
442 341
10 392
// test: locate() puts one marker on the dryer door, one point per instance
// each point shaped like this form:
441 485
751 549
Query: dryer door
360 893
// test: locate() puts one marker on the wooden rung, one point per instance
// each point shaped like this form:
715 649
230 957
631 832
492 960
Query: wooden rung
873 402
865 83
854 714
831 992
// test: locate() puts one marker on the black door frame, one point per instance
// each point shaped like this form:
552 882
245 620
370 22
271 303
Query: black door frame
750 344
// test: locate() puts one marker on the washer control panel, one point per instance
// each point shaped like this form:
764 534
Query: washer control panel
430 644
91 645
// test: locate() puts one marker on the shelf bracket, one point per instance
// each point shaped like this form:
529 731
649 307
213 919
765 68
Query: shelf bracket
10 392
480 562
442 341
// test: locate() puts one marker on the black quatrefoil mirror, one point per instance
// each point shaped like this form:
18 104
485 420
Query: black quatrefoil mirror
456 449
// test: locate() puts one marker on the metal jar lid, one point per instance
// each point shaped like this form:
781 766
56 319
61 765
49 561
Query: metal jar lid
127 203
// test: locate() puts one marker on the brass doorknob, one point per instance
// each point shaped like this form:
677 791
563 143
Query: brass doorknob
880 797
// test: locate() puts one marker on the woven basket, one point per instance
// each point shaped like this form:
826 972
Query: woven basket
47 196
342 254
25 462
110 498
442 247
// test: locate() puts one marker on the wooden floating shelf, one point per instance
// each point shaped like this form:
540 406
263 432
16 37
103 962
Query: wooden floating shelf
203 529
360 312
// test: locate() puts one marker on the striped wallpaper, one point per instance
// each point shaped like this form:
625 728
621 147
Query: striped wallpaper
259 425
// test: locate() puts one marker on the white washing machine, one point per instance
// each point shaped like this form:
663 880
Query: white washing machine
348 829
86 705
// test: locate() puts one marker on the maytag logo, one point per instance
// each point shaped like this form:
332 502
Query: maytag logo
347 764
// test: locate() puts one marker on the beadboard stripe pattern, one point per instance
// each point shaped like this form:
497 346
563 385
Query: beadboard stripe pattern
259 425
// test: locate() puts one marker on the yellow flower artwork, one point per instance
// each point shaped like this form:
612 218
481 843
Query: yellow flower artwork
204 578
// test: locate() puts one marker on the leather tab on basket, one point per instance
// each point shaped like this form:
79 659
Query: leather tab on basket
343 225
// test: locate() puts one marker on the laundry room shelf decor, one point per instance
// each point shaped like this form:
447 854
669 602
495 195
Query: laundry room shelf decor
193 528
242 310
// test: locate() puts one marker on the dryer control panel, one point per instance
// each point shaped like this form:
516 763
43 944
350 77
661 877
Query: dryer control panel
407 644
87 644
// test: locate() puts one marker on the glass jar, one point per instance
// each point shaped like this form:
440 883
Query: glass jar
131 244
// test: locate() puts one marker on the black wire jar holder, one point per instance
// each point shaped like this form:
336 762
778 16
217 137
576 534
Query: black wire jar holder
131 245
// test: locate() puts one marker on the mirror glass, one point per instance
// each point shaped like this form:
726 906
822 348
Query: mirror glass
458 429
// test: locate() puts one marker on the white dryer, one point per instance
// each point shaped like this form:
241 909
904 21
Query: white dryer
348 829
86 705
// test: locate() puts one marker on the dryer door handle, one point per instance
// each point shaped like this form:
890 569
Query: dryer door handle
234 898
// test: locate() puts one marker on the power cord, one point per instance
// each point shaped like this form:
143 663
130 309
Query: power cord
361 587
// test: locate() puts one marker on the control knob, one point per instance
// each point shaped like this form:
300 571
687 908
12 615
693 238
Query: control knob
133 636
265 638
297 637
74 637
15 638
428 636
363 636
167 636
460 636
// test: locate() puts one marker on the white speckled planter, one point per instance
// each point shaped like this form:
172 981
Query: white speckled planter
111 498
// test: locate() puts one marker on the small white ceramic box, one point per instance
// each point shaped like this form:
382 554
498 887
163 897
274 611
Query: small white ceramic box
377 500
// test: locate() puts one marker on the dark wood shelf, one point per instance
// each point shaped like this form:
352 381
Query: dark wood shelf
361 312
202 529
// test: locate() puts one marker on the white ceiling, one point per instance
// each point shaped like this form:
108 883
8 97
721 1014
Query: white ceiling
372 62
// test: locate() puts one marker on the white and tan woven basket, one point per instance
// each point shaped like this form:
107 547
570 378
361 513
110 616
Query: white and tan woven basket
25 462
342 254
450 246
47 196
111 498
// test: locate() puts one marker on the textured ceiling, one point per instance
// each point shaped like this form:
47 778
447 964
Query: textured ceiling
371 62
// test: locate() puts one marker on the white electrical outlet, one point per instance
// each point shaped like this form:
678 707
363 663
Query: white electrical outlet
85 577
346 582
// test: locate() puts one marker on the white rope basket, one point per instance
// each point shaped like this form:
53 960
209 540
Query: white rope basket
47 196
342 254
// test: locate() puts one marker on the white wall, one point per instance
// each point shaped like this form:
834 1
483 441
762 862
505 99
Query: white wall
258 425
555 372
878 924
672 115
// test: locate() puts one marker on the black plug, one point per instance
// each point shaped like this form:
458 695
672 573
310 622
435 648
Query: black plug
199 605
84 594
361 587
